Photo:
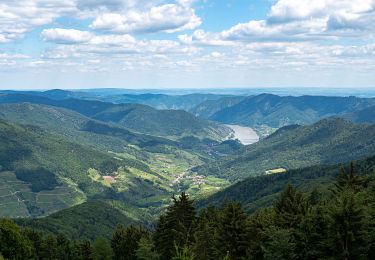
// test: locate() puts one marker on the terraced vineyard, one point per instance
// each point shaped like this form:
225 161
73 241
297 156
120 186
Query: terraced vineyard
18 200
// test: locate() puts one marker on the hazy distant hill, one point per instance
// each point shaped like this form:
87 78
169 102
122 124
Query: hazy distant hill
162 101
276 111
328 141
366 115
159 101
77 127
139 118
208 108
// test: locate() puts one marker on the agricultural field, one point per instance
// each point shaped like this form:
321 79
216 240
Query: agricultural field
18 200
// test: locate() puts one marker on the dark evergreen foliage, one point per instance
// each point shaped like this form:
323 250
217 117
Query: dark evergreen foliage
339 224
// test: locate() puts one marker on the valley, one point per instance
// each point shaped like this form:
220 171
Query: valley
65 155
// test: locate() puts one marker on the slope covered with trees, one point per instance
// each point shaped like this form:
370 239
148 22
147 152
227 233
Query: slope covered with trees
136 117
277 111
262 191
366 115
209 108
42 173
336 225
328 141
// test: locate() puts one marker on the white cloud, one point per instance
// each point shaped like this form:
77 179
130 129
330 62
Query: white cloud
119 16
299 20
167 17
66 36
19 17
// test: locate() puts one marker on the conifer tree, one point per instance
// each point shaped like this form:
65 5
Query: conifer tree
347 226
175 227
85 250
204 246
49 248
259 224
311 235
348 179
125 241
232 232
146 249
102 249
290 208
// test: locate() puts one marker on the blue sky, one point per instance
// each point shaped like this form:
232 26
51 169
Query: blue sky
186 43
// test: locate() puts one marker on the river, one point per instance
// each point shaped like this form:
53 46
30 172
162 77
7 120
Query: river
245 135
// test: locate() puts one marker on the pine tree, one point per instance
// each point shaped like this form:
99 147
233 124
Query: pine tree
182 254
49 248
146 249
204 246
348 180
175 227
347 226
311 235
125 241
232 232
259 223
102 249
64 250
85 250
280 244
290 208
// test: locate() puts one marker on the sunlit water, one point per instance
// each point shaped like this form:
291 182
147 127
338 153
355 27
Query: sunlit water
245 135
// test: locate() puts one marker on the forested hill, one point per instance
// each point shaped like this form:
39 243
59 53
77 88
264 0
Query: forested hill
77 127
336 224
42 173
366 115
277 111
136 117
209 108
259 192
158 101
88 220
328 141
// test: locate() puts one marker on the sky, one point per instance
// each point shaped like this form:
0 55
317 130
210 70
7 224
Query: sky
76 44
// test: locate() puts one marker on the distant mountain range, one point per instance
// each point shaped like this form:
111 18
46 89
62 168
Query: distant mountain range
139 118
277 111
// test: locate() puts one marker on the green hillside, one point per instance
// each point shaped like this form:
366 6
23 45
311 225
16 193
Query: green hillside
42 173
77 127
262 191
208 108
88 220
62 158
328 141
139 118
366 115
277 111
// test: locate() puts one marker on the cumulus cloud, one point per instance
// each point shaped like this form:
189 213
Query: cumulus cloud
167 17
19 17
299 20
116 45
119 16
66 36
